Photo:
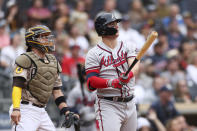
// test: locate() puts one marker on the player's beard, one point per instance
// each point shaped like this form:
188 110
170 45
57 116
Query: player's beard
117 34
113 36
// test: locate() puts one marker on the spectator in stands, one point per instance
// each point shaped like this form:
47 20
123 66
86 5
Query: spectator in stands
158 83
164 107
183 123
61 12
80 40
191 74
7 59
110 6
4 36
163 39
186 49
188 20
13 16
155 122
175 15
62 47
69 64
191 34
173 73
163 9
9 53
143 124
146 73
152 17
79 17
142 89
174 36
59 27
38 12
145 30
136 13
173 125
159 59
88 5
150 94
182 93
130 35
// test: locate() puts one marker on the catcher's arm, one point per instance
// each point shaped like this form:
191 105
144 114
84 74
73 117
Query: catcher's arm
18 84
70 117
60 101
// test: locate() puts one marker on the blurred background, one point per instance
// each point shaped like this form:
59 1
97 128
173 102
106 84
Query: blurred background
166 86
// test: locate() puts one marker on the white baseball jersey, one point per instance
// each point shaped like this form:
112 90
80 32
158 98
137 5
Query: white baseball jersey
110 63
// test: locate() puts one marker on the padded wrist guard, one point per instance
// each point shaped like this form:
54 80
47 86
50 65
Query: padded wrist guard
59 100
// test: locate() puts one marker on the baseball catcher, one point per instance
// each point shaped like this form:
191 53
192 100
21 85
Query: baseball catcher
35 79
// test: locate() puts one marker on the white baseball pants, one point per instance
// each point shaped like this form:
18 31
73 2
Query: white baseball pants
116 116
33 119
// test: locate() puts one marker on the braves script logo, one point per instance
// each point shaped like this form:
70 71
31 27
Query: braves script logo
115 62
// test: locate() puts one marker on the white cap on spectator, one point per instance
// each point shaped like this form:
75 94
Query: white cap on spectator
141 122
10 3
172 53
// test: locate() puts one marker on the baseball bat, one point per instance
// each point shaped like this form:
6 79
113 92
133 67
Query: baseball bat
81 80
147 44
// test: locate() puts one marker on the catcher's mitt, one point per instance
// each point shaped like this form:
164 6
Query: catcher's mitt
70 119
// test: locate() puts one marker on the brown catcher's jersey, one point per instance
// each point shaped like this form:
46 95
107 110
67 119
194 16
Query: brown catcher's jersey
110 63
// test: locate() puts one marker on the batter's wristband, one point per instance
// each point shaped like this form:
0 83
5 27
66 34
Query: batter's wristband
64 110
59 100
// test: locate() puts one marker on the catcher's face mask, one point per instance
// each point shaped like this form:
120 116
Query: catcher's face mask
47 41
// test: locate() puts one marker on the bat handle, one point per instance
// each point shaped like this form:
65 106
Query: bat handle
132 65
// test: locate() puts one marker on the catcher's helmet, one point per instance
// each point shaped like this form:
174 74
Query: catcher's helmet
101 24
39 37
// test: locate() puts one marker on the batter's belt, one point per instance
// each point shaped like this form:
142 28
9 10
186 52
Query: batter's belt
117 98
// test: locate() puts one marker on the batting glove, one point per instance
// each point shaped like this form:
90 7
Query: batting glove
115 83
125 79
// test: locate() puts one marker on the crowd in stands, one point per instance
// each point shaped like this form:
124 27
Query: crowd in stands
168 71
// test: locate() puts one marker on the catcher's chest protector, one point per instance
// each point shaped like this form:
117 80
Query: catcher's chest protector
41 84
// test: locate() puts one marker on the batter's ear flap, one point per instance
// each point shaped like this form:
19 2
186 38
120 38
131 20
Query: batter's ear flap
100 29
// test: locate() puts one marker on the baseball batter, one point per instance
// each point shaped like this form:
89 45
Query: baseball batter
36 77
105 66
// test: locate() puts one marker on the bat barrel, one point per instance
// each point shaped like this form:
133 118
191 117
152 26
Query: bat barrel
147 44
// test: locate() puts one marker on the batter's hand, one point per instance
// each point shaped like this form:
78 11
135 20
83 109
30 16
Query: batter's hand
115 83
125 79
16 116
